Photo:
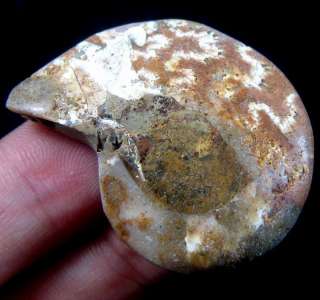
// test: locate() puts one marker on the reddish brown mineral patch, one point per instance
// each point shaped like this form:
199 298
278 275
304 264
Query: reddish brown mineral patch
121 229
70 54
143 222
186 44
53 70
115 194
95 39
144 145
232 57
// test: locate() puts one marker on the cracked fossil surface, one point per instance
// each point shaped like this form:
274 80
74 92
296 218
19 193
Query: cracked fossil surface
205 149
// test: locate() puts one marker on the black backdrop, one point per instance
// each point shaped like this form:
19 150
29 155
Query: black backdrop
34 32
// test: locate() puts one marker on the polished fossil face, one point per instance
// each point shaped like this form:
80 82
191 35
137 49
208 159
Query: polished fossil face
205 149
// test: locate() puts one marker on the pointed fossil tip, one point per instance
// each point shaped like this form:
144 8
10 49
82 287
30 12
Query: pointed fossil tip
33 97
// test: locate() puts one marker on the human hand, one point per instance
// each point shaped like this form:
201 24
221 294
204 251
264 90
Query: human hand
48 192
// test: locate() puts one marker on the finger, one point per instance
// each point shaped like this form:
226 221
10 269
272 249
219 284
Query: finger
48 187
107 269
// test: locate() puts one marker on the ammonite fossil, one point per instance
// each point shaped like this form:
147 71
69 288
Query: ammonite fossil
205 149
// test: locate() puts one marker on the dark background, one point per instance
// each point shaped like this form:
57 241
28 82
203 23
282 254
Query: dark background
34 32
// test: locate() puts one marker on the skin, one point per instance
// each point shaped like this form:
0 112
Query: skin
48 192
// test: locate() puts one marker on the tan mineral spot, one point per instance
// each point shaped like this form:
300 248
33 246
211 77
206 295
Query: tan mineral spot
116 193
205 148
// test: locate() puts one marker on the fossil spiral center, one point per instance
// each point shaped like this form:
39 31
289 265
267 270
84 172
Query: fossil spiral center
189 167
